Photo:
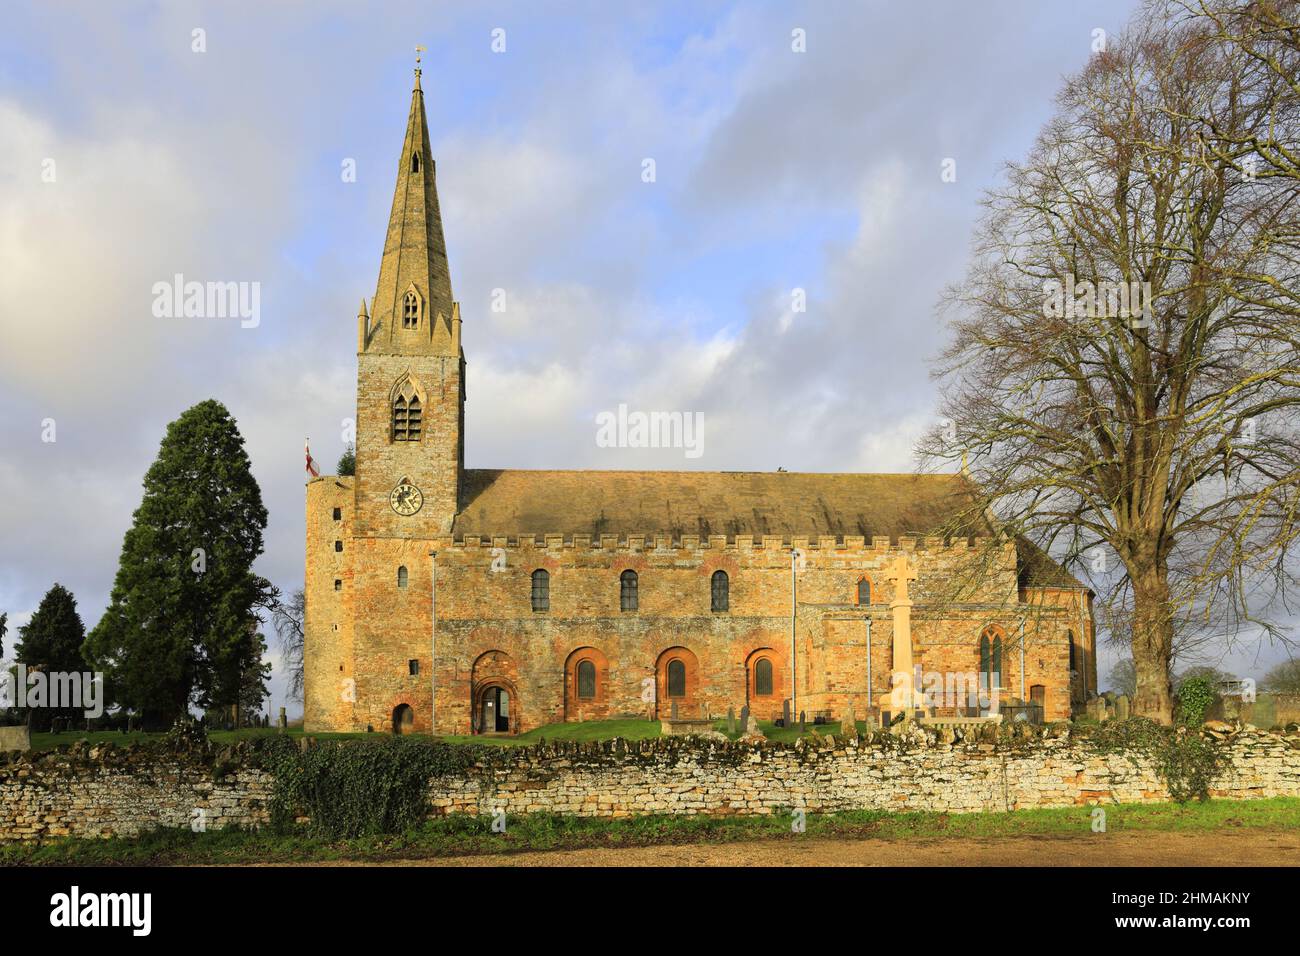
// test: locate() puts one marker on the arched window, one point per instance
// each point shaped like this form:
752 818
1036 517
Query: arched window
721 597
411 310
401 576
586 680
1070 636
864 591
415 162
763 677
676 678
541 590
407 418
627 594
990 659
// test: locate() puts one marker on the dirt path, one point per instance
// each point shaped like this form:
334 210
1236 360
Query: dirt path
1243 847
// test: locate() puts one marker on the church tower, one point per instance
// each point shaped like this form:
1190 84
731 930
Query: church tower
410 365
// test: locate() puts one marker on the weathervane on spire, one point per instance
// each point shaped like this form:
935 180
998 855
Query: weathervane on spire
418 51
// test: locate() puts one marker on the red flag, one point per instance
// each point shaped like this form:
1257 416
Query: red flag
311 465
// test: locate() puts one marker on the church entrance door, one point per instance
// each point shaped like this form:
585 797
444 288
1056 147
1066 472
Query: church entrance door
496 711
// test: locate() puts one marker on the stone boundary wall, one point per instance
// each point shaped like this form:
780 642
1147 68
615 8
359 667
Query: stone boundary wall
106 791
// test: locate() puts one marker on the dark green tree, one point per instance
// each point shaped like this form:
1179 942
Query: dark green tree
51 642
185 599
348 461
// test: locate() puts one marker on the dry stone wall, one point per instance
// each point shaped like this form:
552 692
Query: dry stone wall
106 791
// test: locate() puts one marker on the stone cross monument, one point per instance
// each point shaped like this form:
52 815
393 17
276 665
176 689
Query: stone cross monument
902 698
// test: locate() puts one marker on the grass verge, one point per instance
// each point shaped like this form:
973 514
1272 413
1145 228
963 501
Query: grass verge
459 835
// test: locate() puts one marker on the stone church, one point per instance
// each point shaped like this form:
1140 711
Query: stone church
477 601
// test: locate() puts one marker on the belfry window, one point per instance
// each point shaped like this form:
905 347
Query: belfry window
864 591
627 591
415 162
541 590
402 577
720 591
411 311
407 418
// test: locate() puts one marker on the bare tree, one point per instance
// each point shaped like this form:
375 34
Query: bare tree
1124 375
287 619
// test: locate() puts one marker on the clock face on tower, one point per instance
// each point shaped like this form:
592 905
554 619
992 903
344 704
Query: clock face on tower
406 499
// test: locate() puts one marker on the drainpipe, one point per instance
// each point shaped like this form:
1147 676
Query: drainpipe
1022 662
794 598
433 639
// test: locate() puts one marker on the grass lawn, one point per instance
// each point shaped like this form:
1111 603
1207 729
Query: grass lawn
461 834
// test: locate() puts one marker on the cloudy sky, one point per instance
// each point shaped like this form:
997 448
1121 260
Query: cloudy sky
128 156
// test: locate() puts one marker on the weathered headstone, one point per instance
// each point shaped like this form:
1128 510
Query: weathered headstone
751 728
849 725
284 721
803 722
785 713
731 720
1122 707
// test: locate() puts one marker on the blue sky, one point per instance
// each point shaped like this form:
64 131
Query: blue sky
775 170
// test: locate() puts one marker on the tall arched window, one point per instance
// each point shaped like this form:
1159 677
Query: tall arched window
411 310
541 590
720 591
763 677
676 678
990 659
401 576
864 591
415 162
627 592
587 680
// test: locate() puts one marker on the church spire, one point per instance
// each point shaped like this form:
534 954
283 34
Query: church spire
412 311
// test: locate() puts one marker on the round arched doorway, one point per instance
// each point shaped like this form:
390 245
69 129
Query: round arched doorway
403 719
493 710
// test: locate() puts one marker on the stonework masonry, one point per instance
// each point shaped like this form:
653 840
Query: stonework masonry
107 791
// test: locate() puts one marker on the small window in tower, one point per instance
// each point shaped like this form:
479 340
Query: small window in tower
338 584
411 311
415 162
338 514
401 576
864 591
338 545
413 666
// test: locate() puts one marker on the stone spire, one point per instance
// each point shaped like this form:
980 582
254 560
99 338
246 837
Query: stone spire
415 255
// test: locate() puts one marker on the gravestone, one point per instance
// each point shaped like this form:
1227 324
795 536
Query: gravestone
1122 707
849 725
284 721
785 713
751 728
731 720
803 722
